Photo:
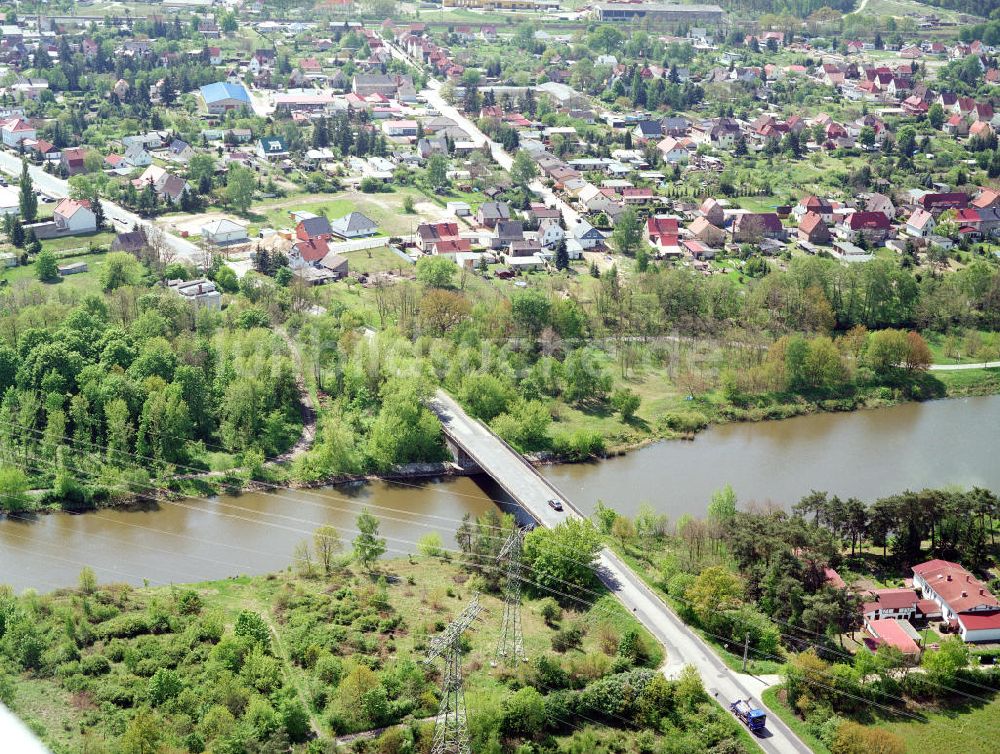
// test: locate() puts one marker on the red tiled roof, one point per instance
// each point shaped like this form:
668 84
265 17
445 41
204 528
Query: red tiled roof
810 221
661 226
980 621
888 631
313 250
958 588
895 599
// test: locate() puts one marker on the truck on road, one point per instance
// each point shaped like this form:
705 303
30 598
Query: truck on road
755 719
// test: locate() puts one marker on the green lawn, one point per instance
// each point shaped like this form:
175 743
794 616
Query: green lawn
385 209
962 729
85 281
377 260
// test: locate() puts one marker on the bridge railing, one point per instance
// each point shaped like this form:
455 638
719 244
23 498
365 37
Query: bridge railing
520 458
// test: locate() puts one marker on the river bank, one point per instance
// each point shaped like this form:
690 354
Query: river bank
673 418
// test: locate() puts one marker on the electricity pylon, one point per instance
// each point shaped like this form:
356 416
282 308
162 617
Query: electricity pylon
451 733
510 643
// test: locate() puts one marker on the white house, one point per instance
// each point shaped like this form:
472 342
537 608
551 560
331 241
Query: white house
586 234
354 225
965 601
593 199
674 150
201 293
550 232
223 232
137 156
920 224
74 216
15 131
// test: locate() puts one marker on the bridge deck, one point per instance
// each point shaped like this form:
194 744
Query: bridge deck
532 491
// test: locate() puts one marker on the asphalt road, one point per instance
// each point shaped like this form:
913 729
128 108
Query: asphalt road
522 481
118 216
433 96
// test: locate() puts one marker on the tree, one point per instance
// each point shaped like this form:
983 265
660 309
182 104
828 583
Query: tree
163 686
561 255
326 544
867 137
627 234
944 664
46 266
524 169
935 116
530 309
714 590
430 545
14 488
906 140
723 505
442 310
27 199
253 627
437 171
545 553
120 269
241 183
436 271
626 403
368 546
87 580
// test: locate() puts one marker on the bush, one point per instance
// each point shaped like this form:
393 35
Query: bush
550 611
95 665
685 421
567 639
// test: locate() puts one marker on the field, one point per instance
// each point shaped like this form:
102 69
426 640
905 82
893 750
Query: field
967 729
418 597
88 281
905 9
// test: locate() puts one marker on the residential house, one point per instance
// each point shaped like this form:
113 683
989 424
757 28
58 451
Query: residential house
593 199
874 227
72 160
15 131
813 229
180 151
586 235
712 211
400 128
430 233
920 224
675 150
647 130
751 227
725 133
662 234
214 55
966 604
74 216
47 151
637 196
881 203
550 232
817 205
354 225
272 147
224 232
986 198
136 156
311 228
200 293
708 233
307 253
506 232
490 213
450 247
223 96
938 203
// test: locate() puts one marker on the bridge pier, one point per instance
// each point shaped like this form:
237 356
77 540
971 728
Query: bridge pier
462 459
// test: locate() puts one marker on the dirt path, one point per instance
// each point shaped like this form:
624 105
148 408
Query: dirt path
364 735
306 407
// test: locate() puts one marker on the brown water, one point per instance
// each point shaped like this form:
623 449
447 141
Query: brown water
866 454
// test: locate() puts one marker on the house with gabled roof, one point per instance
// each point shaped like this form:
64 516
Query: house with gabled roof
966 604
354 225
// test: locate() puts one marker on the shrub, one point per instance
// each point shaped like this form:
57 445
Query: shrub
567 639
685 421
95 665
550 611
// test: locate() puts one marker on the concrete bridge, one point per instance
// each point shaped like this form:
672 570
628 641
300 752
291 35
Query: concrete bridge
474 444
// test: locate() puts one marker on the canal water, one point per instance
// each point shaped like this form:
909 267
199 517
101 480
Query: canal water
865 454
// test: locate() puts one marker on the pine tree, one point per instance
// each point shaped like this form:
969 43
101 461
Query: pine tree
562 255
98 209
27 201
17 236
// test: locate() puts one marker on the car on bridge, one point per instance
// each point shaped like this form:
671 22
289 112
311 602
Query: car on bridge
555 505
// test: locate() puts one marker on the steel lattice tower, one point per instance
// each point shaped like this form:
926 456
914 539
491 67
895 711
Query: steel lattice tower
451 733
510 643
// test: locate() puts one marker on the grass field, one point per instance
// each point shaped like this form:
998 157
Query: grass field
907 9
965 729
84 281
384 209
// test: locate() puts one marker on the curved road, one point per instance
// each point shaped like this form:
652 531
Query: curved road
121 218
532 491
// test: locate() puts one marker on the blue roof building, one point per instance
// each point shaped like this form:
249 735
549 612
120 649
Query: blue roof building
223 96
